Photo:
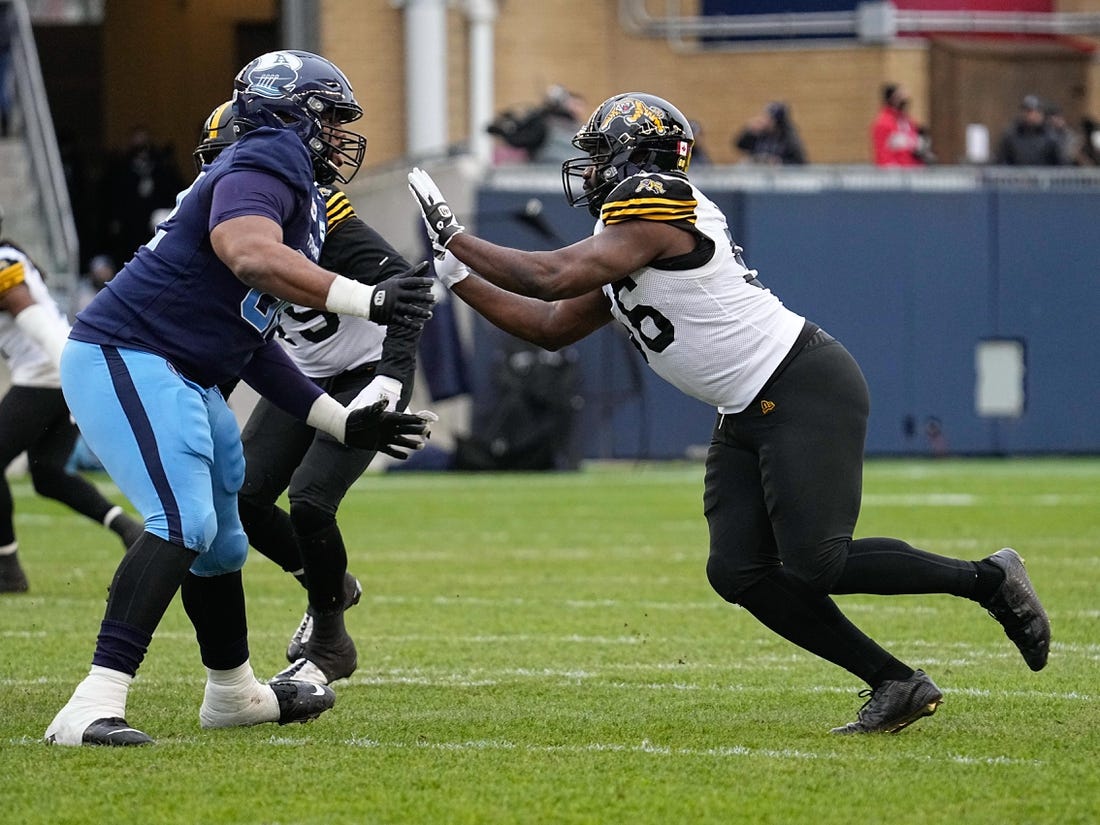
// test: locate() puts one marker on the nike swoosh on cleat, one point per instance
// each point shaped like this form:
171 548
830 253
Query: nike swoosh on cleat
122 730
318 690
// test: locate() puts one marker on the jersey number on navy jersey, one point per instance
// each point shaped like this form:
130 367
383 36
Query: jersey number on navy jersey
657 334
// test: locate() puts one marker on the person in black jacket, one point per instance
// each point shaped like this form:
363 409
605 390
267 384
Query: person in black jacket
1029 141
772 138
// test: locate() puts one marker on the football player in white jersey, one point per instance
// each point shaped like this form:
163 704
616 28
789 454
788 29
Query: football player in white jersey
784 468
355 360
33 414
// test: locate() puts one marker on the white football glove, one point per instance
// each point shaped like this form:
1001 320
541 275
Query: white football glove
381 388
438 218
450 270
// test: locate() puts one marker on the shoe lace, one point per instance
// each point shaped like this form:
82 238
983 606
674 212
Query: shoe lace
869 695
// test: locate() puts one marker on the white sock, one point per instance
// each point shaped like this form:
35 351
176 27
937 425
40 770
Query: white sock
101 695
234 697
9 549
112 514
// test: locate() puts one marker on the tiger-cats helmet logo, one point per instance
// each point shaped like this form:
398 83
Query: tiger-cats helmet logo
650 119
654 187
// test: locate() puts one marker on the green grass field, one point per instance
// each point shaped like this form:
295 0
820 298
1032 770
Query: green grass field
546 649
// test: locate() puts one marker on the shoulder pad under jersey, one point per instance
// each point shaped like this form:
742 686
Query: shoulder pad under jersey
276 152
650 197
338 208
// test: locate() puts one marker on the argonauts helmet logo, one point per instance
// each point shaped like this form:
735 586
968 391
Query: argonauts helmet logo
273 75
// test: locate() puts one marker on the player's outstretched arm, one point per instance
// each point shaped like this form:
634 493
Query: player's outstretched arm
252 247
568 272
548 324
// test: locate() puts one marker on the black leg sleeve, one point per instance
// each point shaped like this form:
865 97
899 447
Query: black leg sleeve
215 606
885 566
146 580
788 607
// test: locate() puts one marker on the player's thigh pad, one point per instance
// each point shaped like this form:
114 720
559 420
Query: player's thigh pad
229 549
152 430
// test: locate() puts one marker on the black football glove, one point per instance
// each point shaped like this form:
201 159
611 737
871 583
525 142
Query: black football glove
392 433
406 298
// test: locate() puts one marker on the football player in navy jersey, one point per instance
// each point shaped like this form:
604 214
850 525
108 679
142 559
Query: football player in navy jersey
784 469
195 308
350 358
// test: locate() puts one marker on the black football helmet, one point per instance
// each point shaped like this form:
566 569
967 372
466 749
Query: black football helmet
309 95
217 133
627 134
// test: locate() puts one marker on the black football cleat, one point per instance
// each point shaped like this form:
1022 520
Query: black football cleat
12 577
302 701
895 704
1016 606
353 592
322 664
114 732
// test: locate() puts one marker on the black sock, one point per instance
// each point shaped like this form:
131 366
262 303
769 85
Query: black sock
989 579
328 628
812 621
326 561
889 567
215 606
894 671
146 580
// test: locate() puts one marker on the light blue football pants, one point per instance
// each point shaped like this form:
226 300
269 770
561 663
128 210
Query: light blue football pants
172 447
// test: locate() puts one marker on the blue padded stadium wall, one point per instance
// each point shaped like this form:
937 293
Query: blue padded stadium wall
910 281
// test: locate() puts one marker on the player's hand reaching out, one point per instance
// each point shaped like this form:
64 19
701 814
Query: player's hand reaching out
438 217
392 433
404 299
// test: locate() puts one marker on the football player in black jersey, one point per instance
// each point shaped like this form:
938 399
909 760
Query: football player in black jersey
351 359
784 468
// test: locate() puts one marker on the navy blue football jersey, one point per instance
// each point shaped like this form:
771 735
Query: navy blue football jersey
176 298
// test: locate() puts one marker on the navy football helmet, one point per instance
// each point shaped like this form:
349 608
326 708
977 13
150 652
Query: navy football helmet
217 133
308 94
627 134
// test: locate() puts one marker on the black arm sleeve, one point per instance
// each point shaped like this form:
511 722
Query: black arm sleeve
355 250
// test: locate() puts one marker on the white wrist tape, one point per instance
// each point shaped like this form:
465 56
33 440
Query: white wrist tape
450 270
348 297
329 416
46 328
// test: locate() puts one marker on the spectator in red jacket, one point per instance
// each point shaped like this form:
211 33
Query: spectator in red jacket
897 140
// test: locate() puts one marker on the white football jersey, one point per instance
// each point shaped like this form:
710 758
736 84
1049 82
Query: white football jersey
706 330
310 337
29 364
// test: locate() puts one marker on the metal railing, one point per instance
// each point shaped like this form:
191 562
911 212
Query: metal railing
43 155
872 21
